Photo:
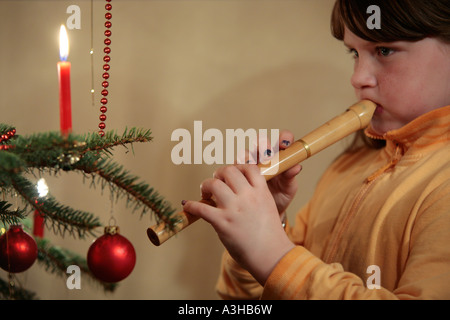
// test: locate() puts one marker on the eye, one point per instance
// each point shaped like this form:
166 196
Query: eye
383 51
353 52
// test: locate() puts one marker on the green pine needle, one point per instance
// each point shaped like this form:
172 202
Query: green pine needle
8 217
89 154
14 292
63 218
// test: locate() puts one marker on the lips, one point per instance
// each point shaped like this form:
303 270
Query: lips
379 109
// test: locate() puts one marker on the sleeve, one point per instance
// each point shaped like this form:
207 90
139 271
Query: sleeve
426 275
301 275
237 283
427 272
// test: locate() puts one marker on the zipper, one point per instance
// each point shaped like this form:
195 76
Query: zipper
392 163
363 191
353 209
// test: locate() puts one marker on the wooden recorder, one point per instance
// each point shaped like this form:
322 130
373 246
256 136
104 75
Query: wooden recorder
356 117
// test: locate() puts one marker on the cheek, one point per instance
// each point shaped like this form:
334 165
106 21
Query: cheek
400 85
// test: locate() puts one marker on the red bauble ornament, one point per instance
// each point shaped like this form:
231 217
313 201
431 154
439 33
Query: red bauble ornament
18 250
111 258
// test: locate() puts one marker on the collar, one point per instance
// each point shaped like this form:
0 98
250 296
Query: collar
410 142
430 129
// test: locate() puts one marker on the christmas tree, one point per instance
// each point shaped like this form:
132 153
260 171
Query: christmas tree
23 158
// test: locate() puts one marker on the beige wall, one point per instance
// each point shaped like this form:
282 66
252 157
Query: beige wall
232 64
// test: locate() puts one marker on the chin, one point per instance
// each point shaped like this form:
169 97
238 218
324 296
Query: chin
378 128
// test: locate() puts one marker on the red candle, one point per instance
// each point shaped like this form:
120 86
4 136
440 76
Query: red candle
38 225
65 104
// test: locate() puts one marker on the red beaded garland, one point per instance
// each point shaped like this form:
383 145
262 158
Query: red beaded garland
5 137
106 68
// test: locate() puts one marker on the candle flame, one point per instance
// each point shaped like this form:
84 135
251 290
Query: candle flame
42 187
63 43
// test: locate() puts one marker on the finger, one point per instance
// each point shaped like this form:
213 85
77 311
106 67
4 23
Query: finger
202 210
253 175
265 149
232 177
286 139
217 190
245 157
291 172
287 177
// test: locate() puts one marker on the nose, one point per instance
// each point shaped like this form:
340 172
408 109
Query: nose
363 74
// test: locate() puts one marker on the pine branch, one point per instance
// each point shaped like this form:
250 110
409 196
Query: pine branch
4 128
10 164
110 140
47 150
56 260
14 293
52 150
89 154
140 194
7 133
61 218
9 217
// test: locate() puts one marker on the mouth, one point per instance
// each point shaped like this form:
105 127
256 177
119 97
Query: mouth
379 109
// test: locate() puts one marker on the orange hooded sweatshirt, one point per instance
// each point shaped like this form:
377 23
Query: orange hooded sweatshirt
377 227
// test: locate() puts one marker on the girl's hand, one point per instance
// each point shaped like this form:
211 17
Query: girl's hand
245 218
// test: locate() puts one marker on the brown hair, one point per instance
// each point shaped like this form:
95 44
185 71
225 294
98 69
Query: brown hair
401 20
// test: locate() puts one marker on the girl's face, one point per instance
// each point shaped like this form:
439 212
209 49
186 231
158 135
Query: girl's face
405 79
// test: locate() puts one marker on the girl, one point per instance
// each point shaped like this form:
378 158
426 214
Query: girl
378 225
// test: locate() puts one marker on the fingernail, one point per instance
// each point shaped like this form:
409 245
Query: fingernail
183 202
268 153
286 143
